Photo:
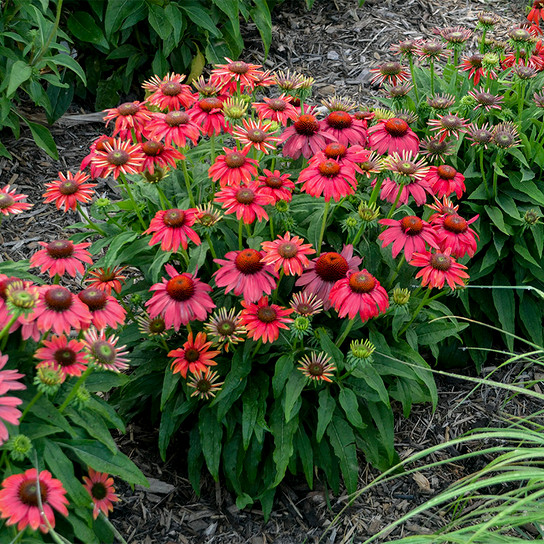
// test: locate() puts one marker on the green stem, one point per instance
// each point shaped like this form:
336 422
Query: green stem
375 191
75 389
345 333
396 273
271 225
165 203
240 233
277 290
210 243
394 207
257 347
521 100
52 33
134 203
455 61
18 535
541 131
411 61
30 405
418 309
7 327
187 183
484 178
90 222
323 225
359 234
482 43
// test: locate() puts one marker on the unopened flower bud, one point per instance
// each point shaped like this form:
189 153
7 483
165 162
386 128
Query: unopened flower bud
531 217
82 398
48 378
19 447
360 352
368 213
401 296
102 202
157 175
282 206
301 326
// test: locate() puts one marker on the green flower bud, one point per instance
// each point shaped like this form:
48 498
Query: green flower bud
19 447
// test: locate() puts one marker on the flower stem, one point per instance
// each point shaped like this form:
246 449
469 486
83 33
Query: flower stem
165 203
482 42
375 191
484 178
134 203
396 273
521 100
394 206
345 333
418 309
323 225
30 405
76 387
90 223
210 243
187 183
240 233
7 328
411 60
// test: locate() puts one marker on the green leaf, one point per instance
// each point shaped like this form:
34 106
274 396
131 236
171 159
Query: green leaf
261 17
343 443
383 418
117 243
194 460
211 434
116 12
497 218
325 411
83 26
48 412
303 446
538 234
530 313
124 51
20 72
169 385
350 405
250 410
43 139
158 20
232 10
523 252
373 379
283 368
94 425
60 99
199 16
505 305
283 433
329 347
293 389
529 188
432 333
104 409
69 62
176 20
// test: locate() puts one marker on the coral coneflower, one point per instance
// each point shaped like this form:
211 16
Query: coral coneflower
317 367
107 279
10 201
174 127
246 201
225 328
255 135
439 268
103 352
100 488
172 228
409 234
392 135
453 233
205 383
130 119
278 109
236 73
169 93
233 168
306 304
65 355
157 155
288 253
208 115
445 180
417 188
359 293
193 356
246 273
19 500
473 65
263 321
324 271
180 299
276 185
60 257
119 157
68 190
448 125
345 128
8 411
329 178
105 310
389 72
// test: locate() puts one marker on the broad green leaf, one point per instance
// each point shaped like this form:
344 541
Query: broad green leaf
69 62
83 26
104 409
383 418
343 443
283 433
261 17
117 244
211 434
169 385
497 218
303 446
250 410
82 529
530 313
176 20
158 20
505 305
116 12
329 347
325 411
433 333
526 254
47 411
124 51
283 368
373 379
60 99
538 234
194 11
94 425
20 72
43 139
293 389
350 405
233 457
527 187
194 460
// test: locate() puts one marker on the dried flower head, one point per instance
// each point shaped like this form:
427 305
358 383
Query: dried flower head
539 99
432 50
486 101
400 91
406 48
524 72
306 304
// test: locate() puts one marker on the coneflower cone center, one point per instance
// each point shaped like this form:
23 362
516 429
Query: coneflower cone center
451 122
361 282
407 168
171 88
60 249
441 262
180 288
329 168
118 157
58 299
99 491
475 61
411 225
245 196
4 284
306 125
174 218
68 187
274 182
390 68
152 148
103 352
266 314
339 119
226 328
192 355
209 104
316 369
238 67
128 108
396 127
331 267
157 325
28 493
65 356
176 118
503 139
335 151
287 250
256 135
6 201
93 298
277 104
455 223
520 34
235 159
249 261
446 172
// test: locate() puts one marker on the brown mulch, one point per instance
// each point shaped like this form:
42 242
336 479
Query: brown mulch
336 43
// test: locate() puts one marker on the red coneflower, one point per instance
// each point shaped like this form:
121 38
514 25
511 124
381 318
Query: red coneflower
317 367
536 13
439 268
236 73
454 234
105 310
409 234
278 109
393 135
107 279
97 144
19 500
169 93
246 201
263 321
65 355
288 253
208 115
359 293
445 180
119 157
100 488
103 352
233 168
8 411
473 65
255 135
329 178
157 155
68 190
172 228
130 119
225 328
207 215
174 127
10 201
448 125
345 128
204 383
60 257
442 208
276 185
305 137
417 188
180 299
246 273
195 355
354 155
389 72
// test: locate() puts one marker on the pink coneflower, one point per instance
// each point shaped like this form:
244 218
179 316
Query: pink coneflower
233 168
353 155
439 268
480 136
486 101
417 188
103 352
445 180
100 488
345 128
454 234
8 411
255 135
208 115
68 191
180 299
97 145
392 135
506 135
157 155
279 109
330 179
406 48
174 127
10 201
306 136
448 125
107 279
60 257
324 271
120 157
409 234
59 310
276 185
169 93
65 355
172 228
306 304
130 119
246 201
205 384
195 355
317 367
389 72
288 253
225 328
19 500
246 273
105 310
263 321
442 208
359 293
431 50
236 73
406 167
